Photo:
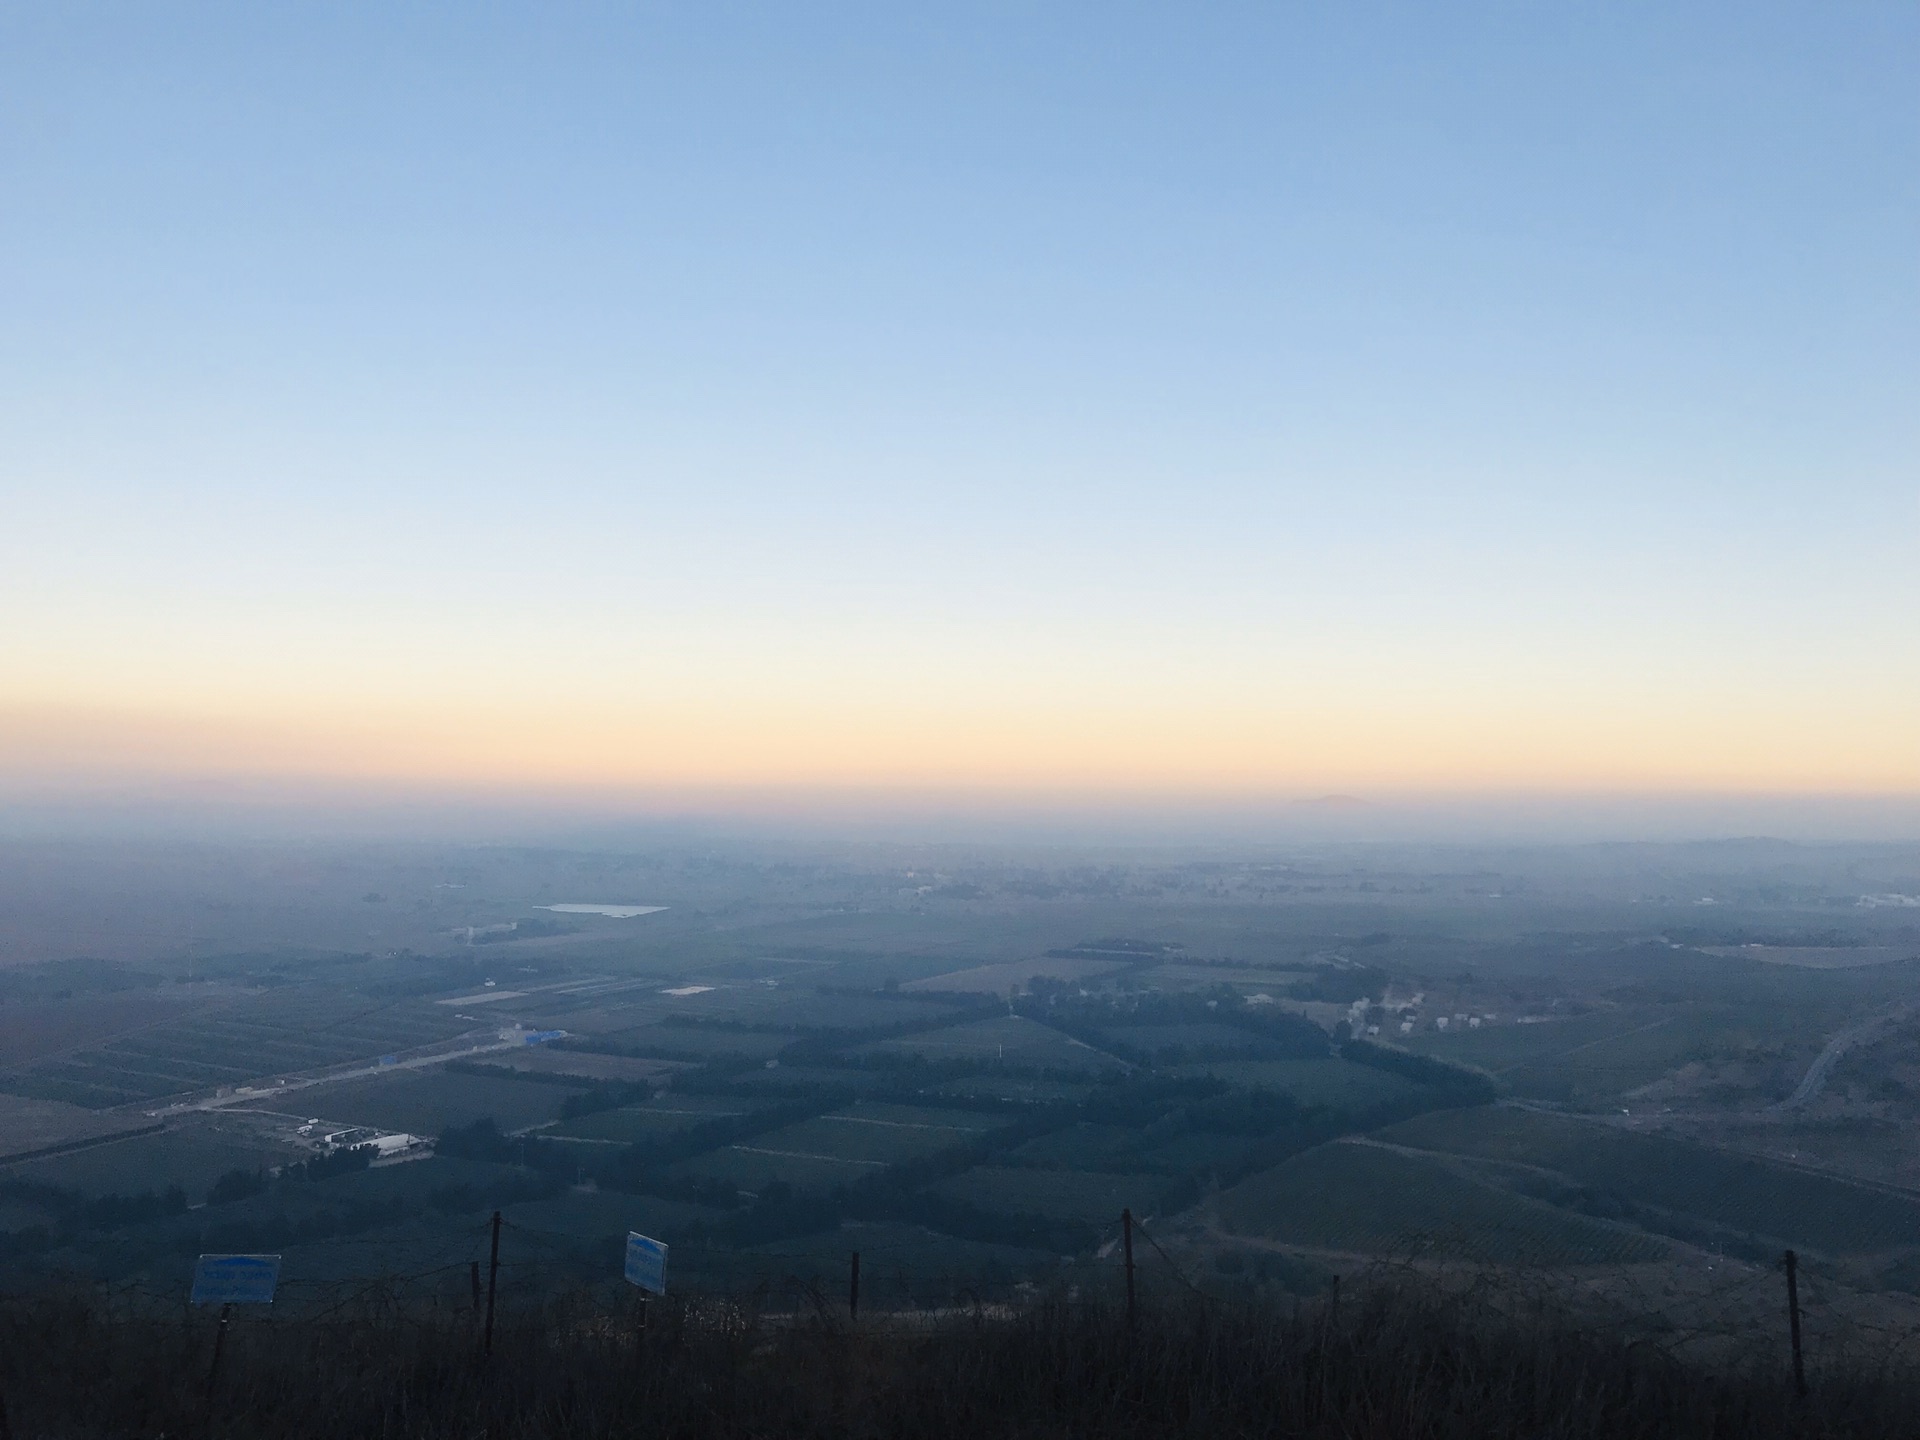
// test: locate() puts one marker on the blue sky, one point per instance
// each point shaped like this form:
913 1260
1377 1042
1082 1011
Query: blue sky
1295 396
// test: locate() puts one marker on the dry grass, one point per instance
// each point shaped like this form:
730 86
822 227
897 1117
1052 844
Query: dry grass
1404 1361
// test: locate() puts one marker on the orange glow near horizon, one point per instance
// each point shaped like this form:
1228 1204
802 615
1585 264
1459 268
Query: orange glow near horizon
1088 750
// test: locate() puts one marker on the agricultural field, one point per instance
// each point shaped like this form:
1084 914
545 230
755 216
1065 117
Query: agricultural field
794 1081
1583 1060
694 1042
1195 1154
1337 1084
900 1264
1178 1044
841 1147
1116 1149
1095 1197
891 1134
863 984
1248 979
1011 1040
665 1115
30 1125
425 1102
1017 1088
280 1033
788 1009
583 1065
18 1215
605 1215
33 1029
1370 1200
1740 1192
808 1010
191 1154
753 1165
1014 975
1079 1147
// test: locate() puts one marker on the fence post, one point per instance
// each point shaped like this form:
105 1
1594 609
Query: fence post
219 1344
1126 1241
853 1289
473 1274
1792 1262
493 1280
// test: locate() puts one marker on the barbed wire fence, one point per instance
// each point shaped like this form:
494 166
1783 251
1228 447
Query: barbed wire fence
1730 1313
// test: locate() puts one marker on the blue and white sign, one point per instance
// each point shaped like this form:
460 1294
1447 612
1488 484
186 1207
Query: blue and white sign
646 1263
235 1279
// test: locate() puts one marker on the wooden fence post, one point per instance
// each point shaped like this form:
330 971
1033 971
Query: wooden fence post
219 1344
1792 1262
493 1280
853 1289
1126 1240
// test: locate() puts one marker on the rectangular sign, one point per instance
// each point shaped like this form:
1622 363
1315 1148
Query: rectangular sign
235 1279
646 1263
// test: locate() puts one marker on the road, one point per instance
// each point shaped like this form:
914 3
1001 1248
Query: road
1868 1030
274 1088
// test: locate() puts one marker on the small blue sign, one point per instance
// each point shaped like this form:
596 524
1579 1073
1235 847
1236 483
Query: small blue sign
235 1279
646 1263
541 1037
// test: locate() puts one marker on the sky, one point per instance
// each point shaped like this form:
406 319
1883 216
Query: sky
996 400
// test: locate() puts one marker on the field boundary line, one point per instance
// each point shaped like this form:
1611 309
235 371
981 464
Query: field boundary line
67 1147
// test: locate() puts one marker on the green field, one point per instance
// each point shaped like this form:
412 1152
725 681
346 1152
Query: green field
824 1080
1740 1192
838 1148
801 1008
899 1264
665 1115
28 1125
1011 1040
1015 1087
891 1134
1057 1194
594 1215
1195 1154
1584 1059
696 1042
1174 1043
284 1032
192 1155
1367 1199
1080 1147
425 1102
751 1166
1335 1083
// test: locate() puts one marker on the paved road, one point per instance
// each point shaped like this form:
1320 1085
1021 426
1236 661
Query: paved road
1867 1031
271 1088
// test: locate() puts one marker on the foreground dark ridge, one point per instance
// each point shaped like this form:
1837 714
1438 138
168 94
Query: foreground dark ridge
1396 1364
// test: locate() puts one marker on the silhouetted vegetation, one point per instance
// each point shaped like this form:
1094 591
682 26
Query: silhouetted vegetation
1392 1363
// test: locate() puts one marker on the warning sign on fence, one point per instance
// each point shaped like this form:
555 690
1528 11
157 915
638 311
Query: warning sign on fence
646 1263
235 1279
